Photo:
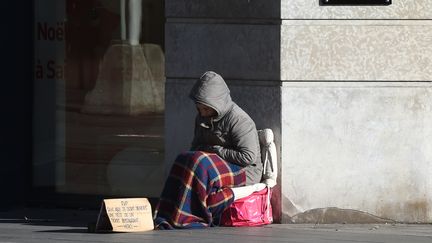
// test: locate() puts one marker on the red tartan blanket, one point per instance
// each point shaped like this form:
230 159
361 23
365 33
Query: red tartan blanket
197 191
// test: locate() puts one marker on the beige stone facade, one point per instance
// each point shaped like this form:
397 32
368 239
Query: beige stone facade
347 91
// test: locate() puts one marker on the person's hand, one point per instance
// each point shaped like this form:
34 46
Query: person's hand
210 148
216 148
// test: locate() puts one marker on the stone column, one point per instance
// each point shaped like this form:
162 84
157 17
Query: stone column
356 112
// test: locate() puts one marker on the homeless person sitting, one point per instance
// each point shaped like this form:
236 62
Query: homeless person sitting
223 164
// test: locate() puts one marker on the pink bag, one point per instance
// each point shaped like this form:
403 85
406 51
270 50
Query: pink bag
253 210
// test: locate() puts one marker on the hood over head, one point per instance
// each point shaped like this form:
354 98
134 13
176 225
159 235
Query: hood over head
211 90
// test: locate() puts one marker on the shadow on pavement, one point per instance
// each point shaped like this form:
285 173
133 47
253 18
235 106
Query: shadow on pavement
74 231
49 217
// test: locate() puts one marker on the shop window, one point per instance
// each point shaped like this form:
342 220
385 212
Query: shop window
99 96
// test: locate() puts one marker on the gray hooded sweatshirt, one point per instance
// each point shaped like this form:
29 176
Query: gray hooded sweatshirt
232 133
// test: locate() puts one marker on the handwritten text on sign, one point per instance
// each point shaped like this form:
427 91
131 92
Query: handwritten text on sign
129 214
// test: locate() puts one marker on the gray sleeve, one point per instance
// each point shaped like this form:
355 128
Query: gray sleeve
245 140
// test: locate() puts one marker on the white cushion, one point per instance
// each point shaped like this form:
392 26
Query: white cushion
268 157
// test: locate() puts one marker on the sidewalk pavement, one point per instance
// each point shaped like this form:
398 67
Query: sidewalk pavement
70 225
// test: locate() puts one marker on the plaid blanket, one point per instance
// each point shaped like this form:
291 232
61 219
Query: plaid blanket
197 191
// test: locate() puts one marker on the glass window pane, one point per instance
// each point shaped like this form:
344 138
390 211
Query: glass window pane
98 96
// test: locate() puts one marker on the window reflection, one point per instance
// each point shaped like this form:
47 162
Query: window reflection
101 128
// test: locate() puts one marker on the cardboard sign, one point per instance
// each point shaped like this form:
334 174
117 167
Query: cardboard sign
125 215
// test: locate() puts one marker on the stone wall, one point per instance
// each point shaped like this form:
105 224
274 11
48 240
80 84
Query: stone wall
347 91
238 39
356 109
